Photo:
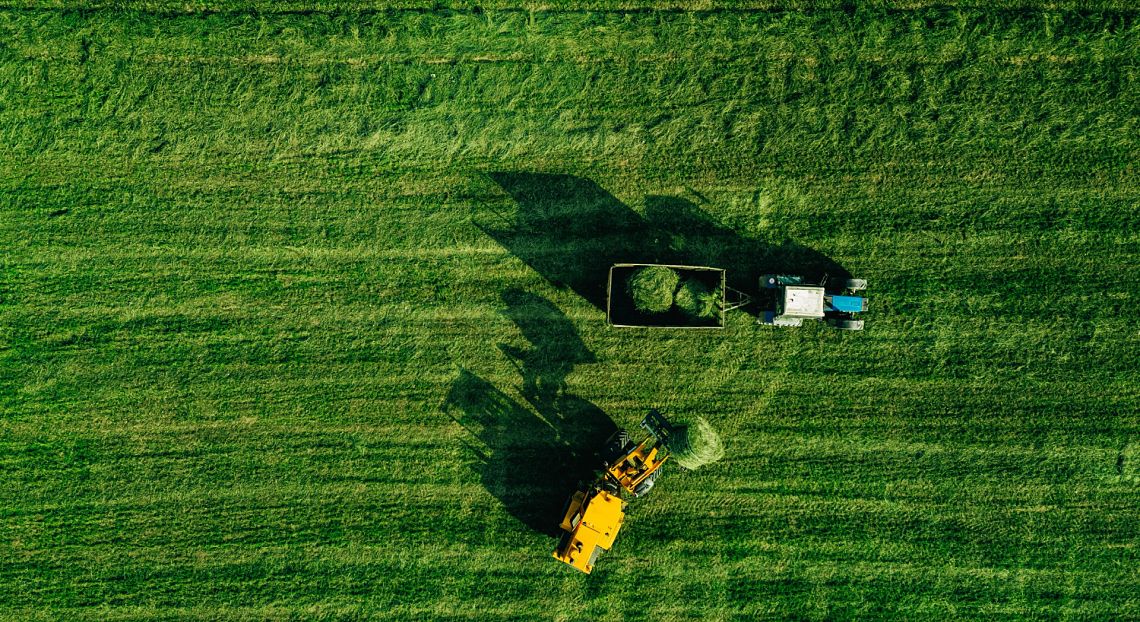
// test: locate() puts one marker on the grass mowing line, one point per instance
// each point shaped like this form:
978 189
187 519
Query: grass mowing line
355 168
528 8
626 103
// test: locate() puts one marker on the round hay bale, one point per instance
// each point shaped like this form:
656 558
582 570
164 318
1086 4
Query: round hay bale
652 288
697 300
695 444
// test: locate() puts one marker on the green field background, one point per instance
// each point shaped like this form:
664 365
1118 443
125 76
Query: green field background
281 336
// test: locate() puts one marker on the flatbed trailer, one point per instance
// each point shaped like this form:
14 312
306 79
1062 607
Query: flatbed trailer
621 312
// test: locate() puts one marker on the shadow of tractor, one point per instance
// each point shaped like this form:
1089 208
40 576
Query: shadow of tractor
694 237
570 231
531 456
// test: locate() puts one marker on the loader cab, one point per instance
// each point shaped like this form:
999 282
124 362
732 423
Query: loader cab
591 522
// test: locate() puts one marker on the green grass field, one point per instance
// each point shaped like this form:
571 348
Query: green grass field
299 309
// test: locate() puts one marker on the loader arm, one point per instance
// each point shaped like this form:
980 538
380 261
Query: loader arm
631 470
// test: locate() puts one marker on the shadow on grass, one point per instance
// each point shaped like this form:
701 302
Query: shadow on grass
531 456
694 237
553 349
570 230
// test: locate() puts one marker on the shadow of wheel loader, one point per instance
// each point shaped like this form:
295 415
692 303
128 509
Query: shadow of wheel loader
531 456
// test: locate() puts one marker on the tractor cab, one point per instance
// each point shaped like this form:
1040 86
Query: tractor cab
794 301
798 303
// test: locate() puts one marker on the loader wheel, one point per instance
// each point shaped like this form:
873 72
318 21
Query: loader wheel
616 447
644 487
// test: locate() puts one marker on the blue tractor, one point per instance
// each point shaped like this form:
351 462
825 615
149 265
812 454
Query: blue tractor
792 301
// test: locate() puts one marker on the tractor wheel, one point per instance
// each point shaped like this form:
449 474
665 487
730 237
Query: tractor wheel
847 324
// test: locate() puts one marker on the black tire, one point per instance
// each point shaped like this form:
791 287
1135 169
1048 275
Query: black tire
845 324
647 484
616 447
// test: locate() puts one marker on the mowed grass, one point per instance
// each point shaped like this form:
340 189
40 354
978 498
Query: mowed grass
263 355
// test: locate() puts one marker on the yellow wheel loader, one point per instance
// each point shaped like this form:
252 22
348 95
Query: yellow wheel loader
595 513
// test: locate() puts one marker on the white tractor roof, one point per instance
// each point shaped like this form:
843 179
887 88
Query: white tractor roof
803 301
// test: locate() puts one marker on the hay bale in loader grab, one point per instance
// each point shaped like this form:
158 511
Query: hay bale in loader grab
693 445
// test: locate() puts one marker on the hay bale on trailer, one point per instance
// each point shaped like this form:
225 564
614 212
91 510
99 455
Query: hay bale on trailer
697 296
